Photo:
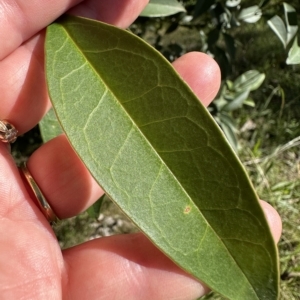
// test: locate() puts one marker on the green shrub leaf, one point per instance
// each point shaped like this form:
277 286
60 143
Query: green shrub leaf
291 22
237 101
157 152
249 81
277 25
250 14
294 54
227 124
233 3
162 8
49 126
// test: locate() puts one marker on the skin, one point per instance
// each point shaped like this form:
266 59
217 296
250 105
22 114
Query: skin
32 265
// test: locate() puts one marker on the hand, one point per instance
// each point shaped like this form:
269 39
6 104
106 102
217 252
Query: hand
32 265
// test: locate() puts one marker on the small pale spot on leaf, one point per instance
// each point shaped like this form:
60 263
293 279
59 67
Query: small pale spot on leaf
187 209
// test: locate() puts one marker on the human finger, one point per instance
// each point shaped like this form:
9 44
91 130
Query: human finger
126 267
273 219
21 20
134 258
202 74
61 176
23 87
121 13
31 263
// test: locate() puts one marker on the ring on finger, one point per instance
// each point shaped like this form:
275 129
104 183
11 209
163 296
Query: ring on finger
43 204
8 132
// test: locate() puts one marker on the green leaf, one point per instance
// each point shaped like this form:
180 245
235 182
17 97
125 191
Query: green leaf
233 3
157 152
294 54
250 14
291 22
250 102
162 8
95 209
249 81
277 25
229 128
49 126
237 101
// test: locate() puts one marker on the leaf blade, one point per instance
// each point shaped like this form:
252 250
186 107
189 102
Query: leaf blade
294 54
49 126
250 14
290 15
278 26
162 8
250 80
103 104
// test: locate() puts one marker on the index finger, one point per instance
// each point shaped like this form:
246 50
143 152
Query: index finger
22 19
24 98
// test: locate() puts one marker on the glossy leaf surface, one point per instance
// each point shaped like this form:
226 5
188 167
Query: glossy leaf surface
285 31
278 26
250 14
233 3
291 21
159 155
249 81
294 54
162 8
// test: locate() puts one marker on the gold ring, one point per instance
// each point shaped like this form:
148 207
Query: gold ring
8 132
41 200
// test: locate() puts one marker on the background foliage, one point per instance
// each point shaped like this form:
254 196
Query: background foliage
264 125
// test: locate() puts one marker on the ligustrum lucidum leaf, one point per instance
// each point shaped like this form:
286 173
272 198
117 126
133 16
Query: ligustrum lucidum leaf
157 152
